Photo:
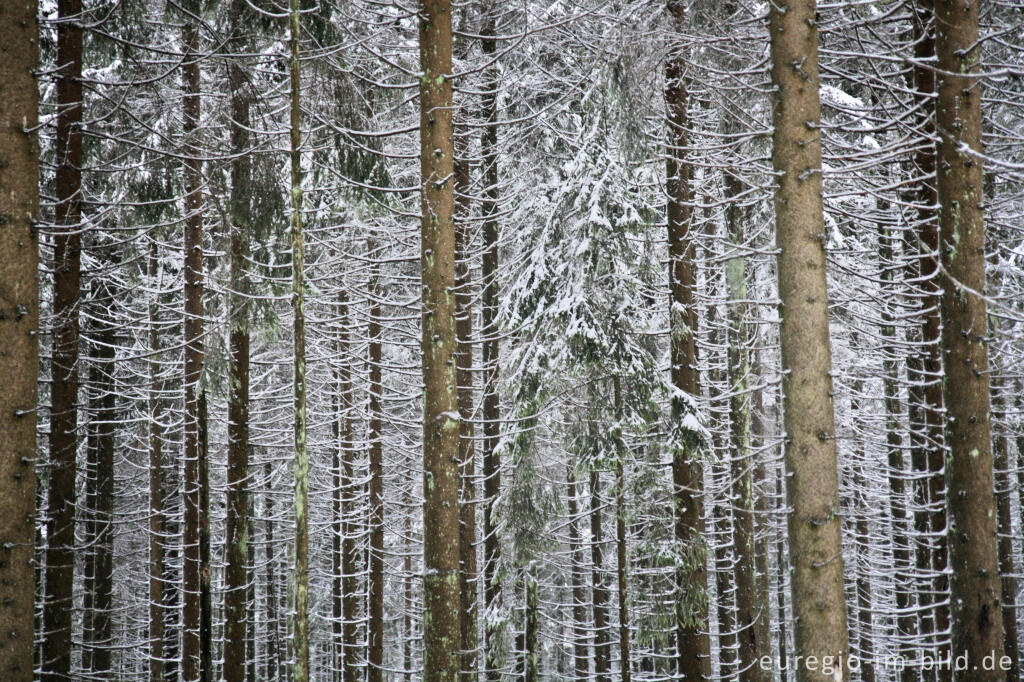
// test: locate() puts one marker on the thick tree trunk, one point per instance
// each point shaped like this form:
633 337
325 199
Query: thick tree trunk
692 640
440 417
191 640
375 553
977 624
810 448
467 460
236 573
489 334
599 585
60 521
300 587
19 338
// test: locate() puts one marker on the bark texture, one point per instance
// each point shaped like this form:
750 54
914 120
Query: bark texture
810 447
19 339
67 256
693 642
977 623
441 637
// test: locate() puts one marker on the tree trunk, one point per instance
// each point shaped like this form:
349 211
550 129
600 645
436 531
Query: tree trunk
273 663
810 448
693 642
236 573
300 588
622 564
977 624
19 338
924 368
599 588
346 599
531 652
157 516
191 646
60 522
440 417
725 567
467 461
98 579
581 663
205 591
375 554
1004 492
489 334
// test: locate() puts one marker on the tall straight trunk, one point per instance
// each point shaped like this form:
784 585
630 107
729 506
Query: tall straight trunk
98 578
157 516
693 642
375 553
977 623
300 587
191 646
905 624
725 566
19 338
467 461
531 652
599 585
862 539
924 370
250 647
440 417
67 265
581 662
751 612
489 333
236 573
1004 519
810 447
272 663
782 570
762 521
346 599
205 587
622 566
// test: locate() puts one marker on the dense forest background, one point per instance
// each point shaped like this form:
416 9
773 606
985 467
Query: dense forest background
589 240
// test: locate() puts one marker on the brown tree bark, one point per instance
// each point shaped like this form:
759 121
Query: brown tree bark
441 638
19 338
599 585
98 574
60 521
236 572
467 454
693 642
157 516
977 624
375 553
489 344
810 448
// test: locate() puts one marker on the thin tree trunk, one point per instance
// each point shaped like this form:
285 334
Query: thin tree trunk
725 567
693 642
157 515
531 652
19 338
346 599
236 573
300 588
862 538
977 623
191 646
96 635
272 664
781 571
489 333
810 448
206 671
467 461
60 521
1004 494
622 564
375 553
599 588
440 416
581 662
